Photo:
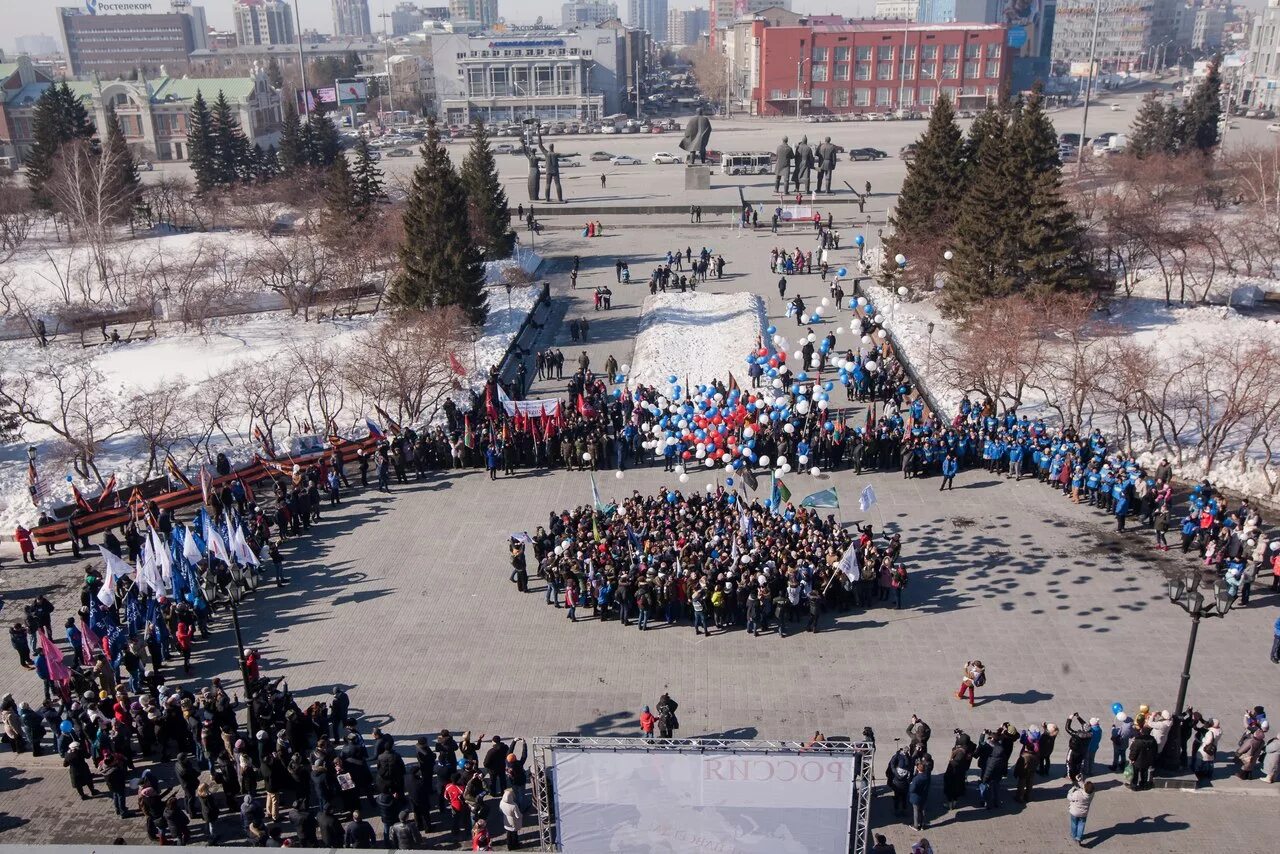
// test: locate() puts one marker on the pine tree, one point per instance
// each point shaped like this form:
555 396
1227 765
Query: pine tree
1037 138
1157 129
201 149
978 132
231 147
366 178
441 264
341 203
293 155
125 181
934 183
487 201
274 74
270 163
324 142
1202 113
60 117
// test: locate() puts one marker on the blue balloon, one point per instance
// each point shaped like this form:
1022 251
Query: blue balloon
768 502
842 272
1116 708
859 240
771 330
671 498
870 310
828 385
732 499
728 481
828 426
66 726
671 379
619 378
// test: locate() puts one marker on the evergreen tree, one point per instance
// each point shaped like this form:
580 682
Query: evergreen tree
270 163
1157 129
305 144
274 74
231 149
441 264
486 200
1037 139
324 142
201 148
1202 113
125 181
293 154
978 132
366 178
934 183
60 117
341 203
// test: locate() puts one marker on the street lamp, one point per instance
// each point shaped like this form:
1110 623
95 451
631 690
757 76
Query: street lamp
1200 594
900 292
800 78
31 454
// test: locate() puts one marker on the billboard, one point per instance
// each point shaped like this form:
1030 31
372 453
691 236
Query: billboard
784 802
351 92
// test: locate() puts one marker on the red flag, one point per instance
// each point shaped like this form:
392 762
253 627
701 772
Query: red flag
84 505
388 420
106 490
456 366
174 472
490 409
206 486
733 384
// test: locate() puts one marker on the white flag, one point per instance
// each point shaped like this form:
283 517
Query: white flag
217 546
107 593
241 546
116 567
849 563
161 550
867 499
190 550
142 575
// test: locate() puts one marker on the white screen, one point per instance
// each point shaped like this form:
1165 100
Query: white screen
720 803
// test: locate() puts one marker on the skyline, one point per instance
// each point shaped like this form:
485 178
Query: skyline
21 17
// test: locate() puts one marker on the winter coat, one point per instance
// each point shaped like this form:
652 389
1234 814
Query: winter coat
512 818
918 789
78 765
1142 751
1078 801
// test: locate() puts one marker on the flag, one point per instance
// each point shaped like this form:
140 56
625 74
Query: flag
867 498
823 498
106 490
80 502
175 473
107 593
58 671
164 561
749 478
216 545
781 495
39 491
116 567
849 563
468 438
595 496
265 441
241 548
190 550
490 408
456 366
523 537
206 485
733 384
375 431
88 641
391 423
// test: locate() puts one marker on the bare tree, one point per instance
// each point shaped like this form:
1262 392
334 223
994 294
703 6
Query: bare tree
298 268
403 366
85 190
18 217
160 417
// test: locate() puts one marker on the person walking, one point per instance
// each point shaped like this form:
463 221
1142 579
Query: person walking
918 795
78 766
512 818
1079 798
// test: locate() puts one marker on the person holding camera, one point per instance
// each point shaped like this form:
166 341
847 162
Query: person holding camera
975 676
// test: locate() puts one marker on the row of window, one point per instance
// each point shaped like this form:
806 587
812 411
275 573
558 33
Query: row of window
907 71
485 54
884 96
885 52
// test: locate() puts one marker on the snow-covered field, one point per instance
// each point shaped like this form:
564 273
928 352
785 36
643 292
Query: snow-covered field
696 337
241 344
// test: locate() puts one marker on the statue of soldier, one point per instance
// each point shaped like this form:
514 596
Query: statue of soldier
697 133
553 167
782 169
803 164
535 160
826 163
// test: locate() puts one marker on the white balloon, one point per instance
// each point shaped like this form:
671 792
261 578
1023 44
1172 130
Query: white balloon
803 407
902 292
684 478
777 383
626 369
559 550
586 458
711 487
839 330
871 365
747 432
948 255
862 301
804 318
810 337
824 405
866 339
781 461
764 460
802 459
899 259
826 301
815 471
679 469
786 469
788 427
880 333
710 463
618 475
797 355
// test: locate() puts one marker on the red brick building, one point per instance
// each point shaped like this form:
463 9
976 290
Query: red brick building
877 66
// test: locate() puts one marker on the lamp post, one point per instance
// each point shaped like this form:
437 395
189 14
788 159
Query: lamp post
1200 594
800 78
302 60
899 292
1088 86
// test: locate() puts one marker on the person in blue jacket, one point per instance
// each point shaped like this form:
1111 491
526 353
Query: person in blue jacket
918 795
1120 495
1015 461
949 468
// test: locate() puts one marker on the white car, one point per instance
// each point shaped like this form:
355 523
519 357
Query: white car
666 157
1274 128
626 160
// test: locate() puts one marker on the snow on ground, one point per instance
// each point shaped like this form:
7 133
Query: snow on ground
696 337
226 344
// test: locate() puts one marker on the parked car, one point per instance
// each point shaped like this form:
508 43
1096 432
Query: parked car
867 154
399 152
626 160
666 157
601 155
146 166
504 148
609 129
1273 127
908 151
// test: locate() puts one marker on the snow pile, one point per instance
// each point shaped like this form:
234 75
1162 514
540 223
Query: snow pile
525 262
695 337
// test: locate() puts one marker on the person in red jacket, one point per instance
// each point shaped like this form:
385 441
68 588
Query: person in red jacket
28 546
647 720
480 839
183 637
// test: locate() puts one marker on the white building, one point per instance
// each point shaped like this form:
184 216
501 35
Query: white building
900 10
264 22
648 15
351 18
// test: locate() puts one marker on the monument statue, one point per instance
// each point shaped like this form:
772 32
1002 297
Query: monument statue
552 159
535 162
697 133
782 169
826 163
803 164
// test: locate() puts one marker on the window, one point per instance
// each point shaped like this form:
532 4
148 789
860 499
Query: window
928 70
864 54
819 98
950 70
862 97
542 80
992 92
842 54
969 91
777 95
972 50
909 52
820 73
906 97
908 71
819 55
884 70
862 71
566 80
475 82
993 51
971 68
929 52
885 52
842 97
928 95
951 51
842 71
884 96
950 93
993 68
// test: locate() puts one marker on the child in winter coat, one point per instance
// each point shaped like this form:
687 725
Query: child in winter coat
647 720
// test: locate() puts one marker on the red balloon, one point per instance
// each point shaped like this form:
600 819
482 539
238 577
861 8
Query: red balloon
686 455
763 351
773 363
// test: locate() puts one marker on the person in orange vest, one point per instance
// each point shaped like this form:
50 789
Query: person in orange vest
26 544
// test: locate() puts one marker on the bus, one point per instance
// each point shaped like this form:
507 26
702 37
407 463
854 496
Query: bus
746 163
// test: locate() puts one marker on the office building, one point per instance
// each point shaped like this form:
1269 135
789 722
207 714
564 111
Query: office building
724 13
686 26
409 18
1127 30
897 10
411 83
264 22
242 59
959 11
351 19
1262 69
876 66
484 11
650 15
548 74
116 45
36 45
587 13
153 112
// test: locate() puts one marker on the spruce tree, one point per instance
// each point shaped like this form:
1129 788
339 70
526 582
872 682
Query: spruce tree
487 201
978 132
324 142
274 74
1202 112
201 149
231 148
1157 129
59 118
441 264
341 203
125 181
293 154
366 178
270 163
934 183
76 115
1037 138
